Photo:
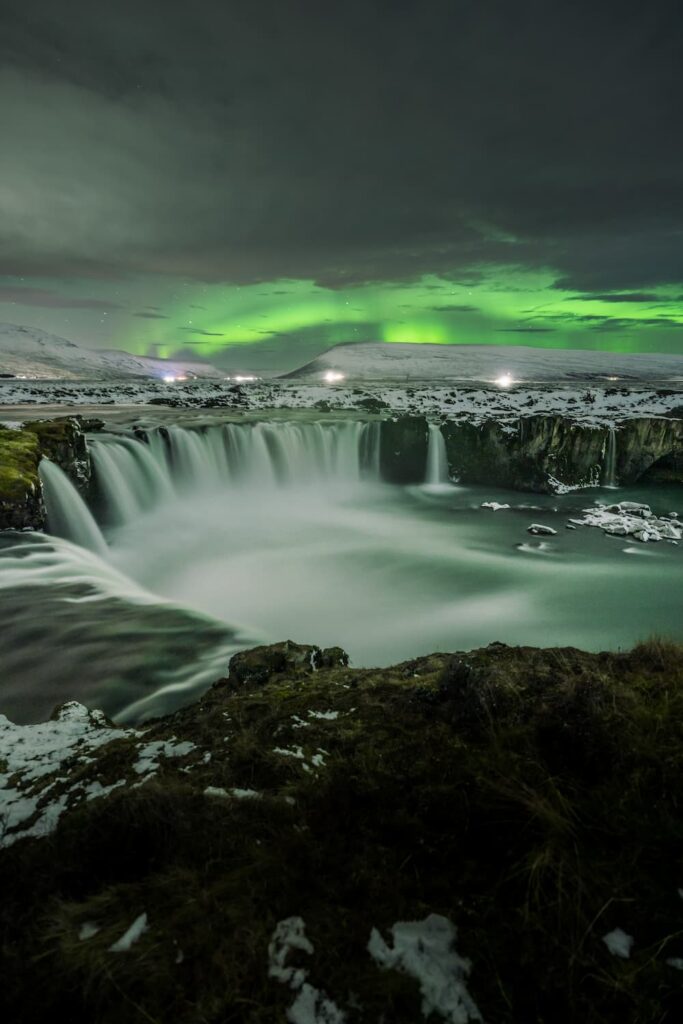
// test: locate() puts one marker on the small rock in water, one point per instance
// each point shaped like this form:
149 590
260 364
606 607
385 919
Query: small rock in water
495 506
538 528
633 506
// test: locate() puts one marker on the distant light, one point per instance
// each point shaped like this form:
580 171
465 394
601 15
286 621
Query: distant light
169 378
505 380
332 376
612 378
245 377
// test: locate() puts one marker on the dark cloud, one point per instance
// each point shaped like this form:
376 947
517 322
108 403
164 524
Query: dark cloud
622 296
455 309
151 316
524 330
207 334
600 322
371 141
47 299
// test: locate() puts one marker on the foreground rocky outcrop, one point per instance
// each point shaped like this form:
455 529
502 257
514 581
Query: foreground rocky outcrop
21 449
493 835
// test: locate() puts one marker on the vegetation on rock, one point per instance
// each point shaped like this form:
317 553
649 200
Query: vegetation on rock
530 797
21 450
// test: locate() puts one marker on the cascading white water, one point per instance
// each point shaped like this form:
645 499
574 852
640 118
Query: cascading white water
68 515
224 536
437 459
610 457
133 475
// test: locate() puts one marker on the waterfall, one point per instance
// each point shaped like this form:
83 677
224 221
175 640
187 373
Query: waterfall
133 474
67 514
610 460
437 460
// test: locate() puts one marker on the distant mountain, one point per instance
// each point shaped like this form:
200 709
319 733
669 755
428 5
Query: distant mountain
385 361
30 352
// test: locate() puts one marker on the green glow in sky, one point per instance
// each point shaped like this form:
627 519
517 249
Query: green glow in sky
500 306
283 324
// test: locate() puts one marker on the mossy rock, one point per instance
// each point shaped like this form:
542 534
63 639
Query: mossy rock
21 450
19 457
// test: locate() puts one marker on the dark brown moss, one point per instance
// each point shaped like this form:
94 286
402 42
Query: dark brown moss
533 797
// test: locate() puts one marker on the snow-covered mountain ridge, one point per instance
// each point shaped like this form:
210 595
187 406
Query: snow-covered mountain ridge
381 360
30 352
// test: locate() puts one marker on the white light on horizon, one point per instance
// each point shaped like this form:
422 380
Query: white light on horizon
169 378
243 377
333 376
504 380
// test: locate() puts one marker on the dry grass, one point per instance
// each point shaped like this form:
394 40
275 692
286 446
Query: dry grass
532 797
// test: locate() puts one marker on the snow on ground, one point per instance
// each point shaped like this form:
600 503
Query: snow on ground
457 381
381 360
41 767
131 935
316 760
591 405
30 352
619 943
310 1006
424 949
31 754
148 755
632 519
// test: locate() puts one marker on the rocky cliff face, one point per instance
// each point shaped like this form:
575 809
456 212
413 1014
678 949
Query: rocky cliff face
537 453
21 450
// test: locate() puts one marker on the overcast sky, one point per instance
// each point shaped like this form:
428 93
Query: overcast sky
254 181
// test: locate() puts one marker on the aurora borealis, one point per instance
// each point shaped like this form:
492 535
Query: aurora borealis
252 183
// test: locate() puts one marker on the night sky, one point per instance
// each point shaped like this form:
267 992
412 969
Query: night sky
252 182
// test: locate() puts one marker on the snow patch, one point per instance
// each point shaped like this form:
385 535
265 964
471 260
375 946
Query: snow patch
131 935
619 943
310 1006
425 950
32 756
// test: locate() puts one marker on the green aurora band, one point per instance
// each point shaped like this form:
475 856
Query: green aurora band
281 324
501 306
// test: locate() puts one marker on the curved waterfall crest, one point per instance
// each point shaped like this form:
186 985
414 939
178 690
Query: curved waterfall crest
135 473
68 515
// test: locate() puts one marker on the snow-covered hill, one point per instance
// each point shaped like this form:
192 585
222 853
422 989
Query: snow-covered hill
383 361
30 352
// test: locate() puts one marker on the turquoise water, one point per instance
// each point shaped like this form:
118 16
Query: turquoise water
386 572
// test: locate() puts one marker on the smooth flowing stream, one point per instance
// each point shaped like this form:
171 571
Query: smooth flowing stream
200 541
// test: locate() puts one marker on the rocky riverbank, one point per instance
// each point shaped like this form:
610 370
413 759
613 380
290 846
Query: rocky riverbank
493 835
